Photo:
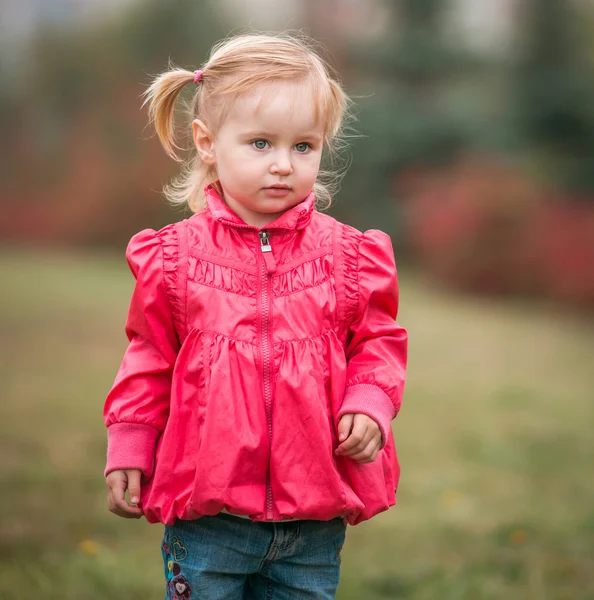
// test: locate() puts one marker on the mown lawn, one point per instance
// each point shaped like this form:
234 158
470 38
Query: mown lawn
495 439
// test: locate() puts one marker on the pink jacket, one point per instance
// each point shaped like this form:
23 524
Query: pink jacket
246 348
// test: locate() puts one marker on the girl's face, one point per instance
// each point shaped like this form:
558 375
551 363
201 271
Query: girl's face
267 152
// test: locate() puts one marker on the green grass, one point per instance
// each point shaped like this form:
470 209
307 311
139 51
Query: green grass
496 499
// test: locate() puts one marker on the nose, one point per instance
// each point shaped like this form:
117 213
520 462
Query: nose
281 165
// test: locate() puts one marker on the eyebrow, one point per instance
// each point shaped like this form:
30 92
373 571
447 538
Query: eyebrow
257 134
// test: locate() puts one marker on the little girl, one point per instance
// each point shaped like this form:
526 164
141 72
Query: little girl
252 411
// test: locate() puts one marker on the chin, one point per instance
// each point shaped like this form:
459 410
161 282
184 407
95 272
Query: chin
277 207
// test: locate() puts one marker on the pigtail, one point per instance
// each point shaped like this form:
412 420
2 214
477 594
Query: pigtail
160 98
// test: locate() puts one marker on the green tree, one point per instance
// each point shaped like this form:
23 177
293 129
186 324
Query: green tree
554 93
408 119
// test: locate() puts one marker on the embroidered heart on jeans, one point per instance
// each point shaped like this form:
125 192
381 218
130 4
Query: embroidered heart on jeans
179 550
180 587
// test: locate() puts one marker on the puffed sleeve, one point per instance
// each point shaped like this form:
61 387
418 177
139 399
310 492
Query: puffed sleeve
377 346
137 407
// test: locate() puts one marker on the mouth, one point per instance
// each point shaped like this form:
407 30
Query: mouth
278 186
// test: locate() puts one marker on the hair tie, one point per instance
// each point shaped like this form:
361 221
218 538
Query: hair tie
197 76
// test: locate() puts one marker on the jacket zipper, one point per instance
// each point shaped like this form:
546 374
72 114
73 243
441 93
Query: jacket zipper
268 268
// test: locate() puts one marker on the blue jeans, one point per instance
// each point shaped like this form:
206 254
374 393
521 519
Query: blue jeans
229 558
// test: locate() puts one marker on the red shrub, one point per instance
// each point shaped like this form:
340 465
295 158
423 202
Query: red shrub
485 226
562 236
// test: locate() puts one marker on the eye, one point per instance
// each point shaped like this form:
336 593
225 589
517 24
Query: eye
302 147
259 144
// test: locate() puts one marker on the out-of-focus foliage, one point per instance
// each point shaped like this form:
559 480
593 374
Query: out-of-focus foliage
77 168
487 166
433 100
553 92
416 114
514 236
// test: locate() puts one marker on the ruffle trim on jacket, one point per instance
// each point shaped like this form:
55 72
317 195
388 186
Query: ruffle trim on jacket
222 277
169 239
351 239
305 275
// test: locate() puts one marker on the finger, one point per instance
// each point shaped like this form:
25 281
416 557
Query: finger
356 444
372 431
134 485
345 426
123 509
369 453
118 489
357 440
366 456
130 512
116 479
118 505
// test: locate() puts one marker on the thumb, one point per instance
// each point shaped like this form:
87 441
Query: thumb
345 426
134 485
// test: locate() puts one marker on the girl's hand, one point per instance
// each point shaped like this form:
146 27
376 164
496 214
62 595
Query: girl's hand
360 436
117 482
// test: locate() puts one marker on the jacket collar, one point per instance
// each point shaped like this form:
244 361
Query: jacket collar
295 218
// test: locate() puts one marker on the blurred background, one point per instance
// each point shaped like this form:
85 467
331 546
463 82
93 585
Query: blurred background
474 150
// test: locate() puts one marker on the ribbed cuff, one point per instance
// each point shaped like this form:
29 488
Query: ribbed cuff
370 400
131 446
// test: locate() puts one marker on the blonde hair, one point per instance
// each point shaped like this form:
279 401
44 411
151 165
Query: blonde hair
234 67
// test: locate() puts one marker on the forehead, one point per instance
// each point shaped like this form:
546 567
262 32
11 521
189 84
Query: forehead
282 105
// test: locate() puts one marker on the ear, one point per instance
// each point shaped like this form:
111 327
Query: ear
203 140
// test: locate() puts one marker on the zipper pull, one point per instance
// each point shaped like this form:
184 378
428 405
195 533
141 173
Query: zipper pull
267 252
265 242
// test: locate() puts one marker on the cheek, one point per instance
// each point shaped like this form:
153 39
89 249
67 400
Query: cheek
238 165
310 168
